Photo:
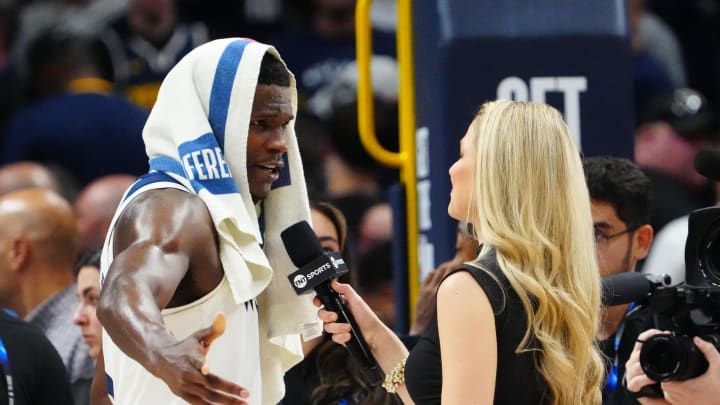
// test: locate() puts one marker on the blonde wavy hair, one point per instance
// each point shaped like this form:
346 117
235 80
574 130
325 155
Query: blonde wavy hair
530 201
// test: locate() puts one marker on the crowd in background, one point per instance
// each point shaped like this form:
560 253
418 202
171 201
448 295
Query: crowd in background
79 77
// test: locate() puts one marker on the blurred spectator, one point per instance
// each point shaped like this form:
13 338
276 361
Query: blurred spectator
696 23
650 76
342 89
320 48
672 129
10 77
80 17
39 243
337 164
145 44
28 174
87 276
374 281
95 208
256 19
375 227
330 227
20 175
355 180
31 372
652 35
312 139
76 120
58 62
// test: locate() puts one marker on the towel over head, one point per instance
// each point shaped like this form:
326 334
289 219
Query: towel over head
197 133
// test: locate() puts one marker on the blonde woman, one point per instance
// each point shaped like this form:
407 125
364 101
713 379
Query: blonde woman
517 325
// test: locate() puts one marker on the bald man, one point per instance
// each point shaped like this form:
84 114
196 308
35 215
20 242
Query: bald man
95 207
20 175
38 245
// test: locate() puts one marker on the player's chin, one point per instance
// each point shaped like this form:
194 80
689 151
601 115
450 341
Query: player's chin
260 191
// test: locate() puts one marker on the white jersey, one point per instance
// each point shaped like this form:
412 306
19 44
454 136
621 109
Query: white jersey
234 356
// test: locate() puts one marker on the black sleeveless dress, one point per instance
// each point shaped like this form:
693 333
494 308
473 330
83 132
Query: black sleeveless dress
517 382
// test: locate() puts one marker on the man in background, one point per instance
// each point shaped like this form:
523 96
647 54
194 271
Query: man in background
38 247
621 201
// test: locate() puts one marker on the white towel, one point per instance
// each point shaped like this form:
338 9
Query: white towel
202 114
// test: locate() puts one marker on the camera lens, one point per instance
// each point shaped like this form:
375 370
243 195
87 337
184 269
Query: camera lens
709 254
666 357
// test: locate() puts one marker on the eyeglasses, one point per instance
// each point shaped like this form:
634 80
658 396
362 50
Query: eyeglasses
601 238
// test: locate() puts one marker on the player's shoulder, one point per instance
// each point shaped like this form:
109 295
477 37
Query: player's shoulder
164 200
163 213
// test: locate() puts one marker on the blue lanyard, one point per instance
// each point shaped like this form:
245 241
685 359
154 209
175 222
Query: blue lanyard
5 369
612 379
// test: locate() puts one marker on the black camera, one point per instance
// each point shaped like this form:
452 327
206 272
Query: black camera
667 357
702 248
686 310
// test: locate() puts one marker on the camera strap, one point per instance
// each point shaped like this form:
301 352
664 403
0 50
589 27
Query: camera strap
5 371
612 379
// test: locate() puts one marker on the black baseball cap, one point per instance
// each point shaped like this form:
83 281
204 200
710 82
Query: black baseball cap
686 110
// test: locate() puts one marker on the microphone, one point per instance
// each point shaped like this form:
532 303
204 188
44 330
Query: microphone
315 271
625 288
707 163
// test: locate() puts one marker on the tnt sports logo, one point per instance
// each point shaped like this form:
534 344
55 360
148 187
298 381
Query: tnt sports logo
300 281
337 262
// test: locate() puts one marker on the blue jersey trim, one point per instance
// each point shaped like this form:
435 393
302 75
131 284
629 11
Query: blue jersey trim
109 385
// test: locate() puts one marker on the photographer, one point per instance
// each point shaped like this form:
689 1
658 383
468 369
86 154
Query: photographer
703 389
681 364
621 200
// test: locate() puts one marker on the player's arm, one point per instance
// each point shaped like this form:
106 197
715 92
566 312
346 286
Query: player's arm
153 247
159 242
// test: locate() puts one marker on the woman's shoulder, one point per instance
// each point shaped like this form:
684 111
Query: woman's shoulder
485 270
458 280
485 274
468 282
460 295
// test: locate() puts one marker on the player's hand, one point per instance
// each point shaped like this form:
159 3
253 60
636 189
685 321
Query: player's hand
216 329
184 369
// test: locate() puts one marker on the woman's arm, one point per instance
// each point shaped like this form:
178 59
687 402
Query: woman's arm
387 348
468 344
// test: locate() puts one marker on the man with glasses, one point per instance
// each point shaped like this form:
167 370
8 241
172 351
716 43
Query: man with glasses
621 198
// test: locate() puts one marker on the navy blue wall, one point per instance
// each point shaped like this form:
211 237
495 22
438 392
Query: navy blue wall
572 54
